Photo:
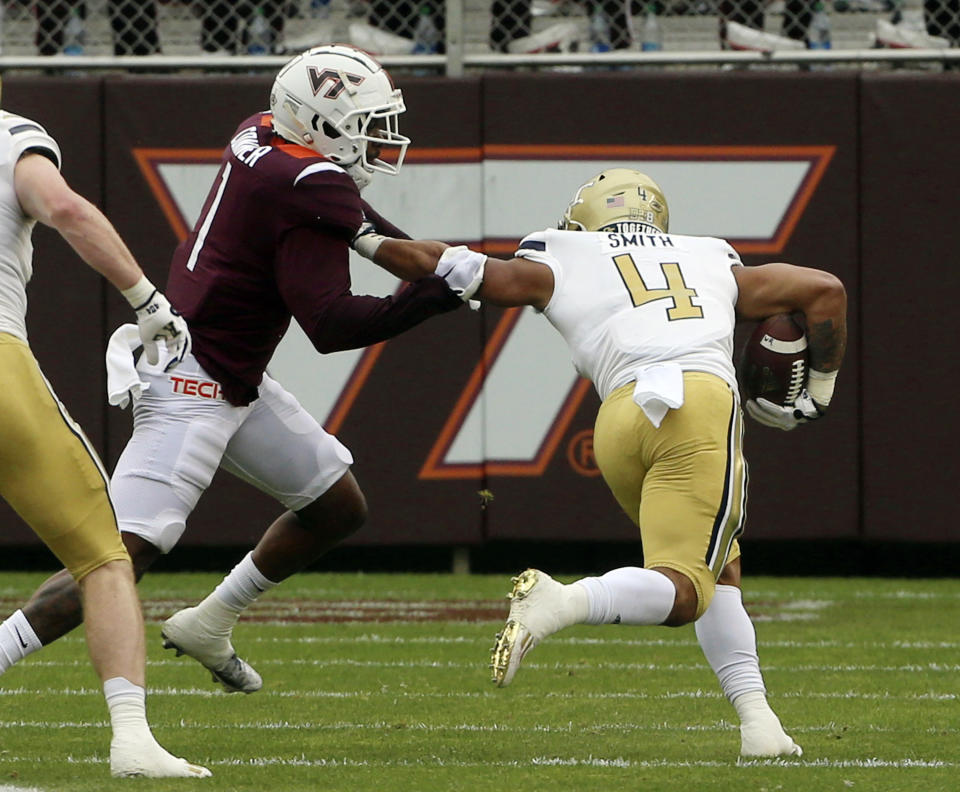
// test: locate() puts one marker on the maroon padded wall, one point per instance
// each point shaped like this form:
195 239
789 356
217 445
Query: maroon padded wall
910 283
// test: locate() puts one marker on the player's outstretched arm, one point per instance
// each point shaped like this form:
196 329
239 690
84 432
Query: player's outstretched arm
518 281
407 259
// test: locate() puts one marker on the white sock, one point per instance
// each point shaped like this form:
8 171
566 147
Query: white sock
629 595
243 585
221 608
17 640
127 703
729 643
753 706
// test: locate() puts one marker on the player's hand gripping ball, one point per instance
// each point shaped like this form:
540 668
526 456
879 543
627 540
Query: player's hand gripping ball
773 365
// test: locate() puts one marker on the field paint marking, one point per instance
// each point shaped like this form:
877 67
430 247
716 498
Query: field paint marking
497 728
376 638
599 666
753 598
905 595
283 611
211 692
617 762
379 638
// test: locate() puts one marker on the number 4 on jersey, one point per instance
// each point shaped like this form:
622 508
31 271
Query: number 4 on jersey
676 289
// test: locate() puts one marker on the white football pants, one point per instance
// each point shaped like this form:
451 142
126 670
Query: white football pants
183 431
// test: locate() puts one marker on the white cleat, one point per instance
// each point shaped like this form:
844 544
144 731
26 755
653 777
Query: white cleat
146 758
765 738
539 606
184 632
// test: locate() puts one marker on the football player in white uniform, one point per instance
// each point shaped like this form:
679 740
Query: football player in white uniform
49 472
649 317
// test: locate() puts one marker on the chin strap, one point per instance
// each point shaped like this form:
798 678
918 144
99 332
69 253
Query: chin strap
359 174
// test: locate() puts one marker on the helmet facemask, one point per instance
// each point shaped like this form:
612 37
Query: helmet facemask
618 199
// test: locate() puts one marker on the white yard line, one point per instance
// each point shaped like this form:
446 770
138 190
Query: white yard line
839 668
394 693
378 638
472 639
617 762
493 728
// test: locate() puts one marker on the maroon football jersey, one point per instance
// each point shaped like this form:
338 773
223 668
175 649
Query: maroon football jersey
273 241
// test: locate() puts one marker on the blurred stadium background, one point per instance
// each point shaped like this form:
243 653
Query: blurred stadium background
685 29
472 433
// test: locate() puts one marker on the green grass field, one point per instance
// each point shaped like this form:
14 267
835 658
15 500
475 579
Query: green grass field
380 682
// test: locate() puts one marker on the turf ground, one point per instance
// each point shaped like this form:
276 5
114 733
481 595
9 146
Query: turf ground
380 682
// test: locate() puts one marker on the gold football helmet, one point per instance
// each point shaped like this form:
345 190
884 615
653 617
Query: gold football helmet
618 196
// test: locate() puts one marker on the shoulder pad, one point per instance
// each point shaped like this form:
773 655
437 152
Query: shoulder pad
728 250
532 243
24 134
320 167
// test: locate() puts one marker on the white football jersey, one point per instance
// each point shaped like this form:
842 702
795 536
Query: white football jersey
17 135
626 300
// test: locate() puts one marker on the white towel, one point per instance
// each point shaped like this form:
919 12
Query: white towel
659 388
123 380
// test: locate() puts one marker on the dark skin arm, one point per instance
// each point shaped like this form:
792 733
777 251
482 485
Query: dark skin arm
409 259
784 288
518 281
509 283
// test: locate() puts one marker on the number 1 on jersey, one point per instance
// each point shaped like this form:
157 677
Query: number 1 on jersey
676 289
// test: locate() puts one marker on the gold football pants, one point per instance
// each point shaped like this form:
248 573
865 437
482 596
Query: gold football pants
49 472
683 484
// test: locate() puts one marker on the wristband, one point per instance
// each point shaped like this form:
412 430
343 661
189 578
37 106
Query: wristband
820 385
140 293
368 244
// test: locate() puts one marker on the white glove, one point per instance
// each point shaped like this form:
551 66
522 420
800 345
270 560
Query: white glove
803 410
462 269
157 320
366 240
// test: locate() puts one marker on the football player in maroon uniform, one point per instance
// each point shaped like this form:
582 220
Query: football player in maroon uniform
272 243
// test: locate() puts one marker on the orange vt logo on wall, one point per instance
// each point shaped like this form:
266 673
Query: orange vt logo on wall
517 405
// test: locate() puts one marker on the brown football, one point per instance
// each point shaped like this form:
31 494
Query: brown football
773 364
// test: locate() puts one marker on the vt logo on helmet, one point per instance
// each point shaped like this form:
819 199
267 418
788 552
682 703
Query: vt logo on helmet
318 79
341 103
618 199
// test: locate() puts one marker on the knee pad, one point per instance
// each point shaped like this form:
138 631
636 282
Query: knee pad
163 529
